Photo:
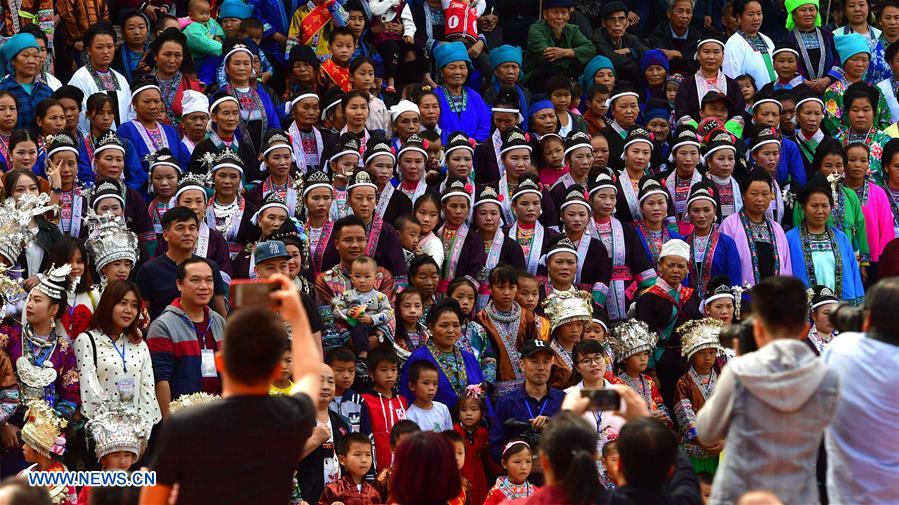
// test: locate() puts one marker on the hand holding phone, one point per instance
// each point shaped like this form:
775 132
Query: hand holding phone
603 399
247 293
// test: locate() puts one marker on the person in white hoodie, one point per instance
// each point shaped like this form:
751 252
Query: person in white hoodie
771 406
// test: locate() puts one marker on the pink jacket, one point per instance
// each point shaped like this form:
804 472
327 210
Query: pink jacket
878 220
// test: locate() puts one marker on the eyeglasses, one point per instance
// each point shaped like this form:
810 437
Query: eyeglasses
595 360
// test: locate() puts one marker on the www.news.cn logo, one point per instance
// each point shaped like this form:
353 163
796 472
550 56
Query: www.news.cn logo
92 479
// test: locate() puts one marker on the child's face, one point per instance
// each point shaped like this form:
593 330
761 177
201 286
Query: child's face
857 167
286 365
554 154
518 466
363 277
469 414
785 65
344 375
465 295
746 88
821 316
459 450
570 331
425 388
704 360
610 461
594 331
363 77
31 456
598 104
410 309
427 214
254 33
503 294
561 99
410 235
637 362
528 295
342 49
199 12
117 460
384 375
357 460
706 491
435 154
659 127
671 91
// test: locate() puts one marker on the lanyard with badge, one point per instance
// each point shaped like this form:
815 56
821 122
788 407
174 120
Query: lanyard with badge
125 385
207 361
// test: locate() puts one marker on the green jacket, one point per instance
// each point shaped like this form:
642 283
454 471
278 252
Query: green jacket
540 37
199 40
853 222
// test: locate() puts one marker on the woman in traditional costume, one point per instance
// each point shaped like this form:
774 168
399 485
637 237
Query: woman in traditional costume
463 249
380 161
500 249
224 111
277 158
711 253
594 270
654 229
228 211
317 196
637 154
462 108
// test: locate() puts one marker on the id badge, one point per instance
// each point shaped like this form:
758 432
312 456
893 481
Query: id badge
207 363
125 388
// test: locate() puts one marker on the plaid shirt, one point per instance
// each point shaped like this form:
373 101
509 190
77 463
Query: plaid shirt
27 102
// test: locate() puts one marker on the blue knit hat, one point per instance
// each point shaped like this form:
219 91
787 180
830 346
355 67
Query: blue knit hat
450 52
851 44
538 106
235 9
505 54
15 45
596 64
653 57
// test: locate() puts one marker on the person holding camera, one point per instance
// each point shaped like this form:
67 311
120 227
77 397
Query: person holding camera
861 440
525 412
772 404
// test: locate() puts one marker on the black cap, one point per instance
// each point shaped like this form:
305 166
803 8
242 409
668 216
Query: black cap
533 346
610 8
69 91
715 96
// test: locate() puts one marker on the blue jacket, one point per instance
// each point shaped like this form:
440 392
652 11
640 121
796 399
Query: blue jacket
129 132
790 167
475 120
852 289
445 393
135 178
26 102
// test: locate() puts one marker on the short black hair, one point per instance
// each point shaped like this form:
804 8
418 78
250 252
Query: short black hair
349 95
380 354
420 261
249 24
181 269
755 175
503 274
35 30
418 367
598 89
647 450
343 354
338 31
586 346
748 77
352 438
882 304
96 29
176 215
404 427
340 224
781 303
253 345
453 436
444 305
892 49
404 220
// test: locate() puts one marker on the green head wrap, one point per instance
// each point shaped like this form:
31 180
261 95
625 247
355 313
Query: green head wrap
792 5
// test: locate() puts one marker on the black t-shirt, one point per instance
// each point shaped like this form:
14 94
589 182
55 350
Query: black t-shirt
156 280
239 450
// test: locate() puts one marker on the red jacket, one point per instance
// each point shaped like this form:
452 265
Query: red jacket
384 413
477 461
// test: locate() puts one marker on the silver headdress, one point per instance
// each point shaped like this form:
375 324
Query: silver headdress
10 290
563 307
116 427
55 282
14 220
632 337
110 239
699 334
192 400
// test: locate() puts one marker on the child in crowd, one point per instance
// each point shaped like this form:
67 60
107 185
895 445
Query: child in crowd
362 75
355 457
474 338
824 302
458 443
705 486
597 329
253 29
700 345
428 414
471 410
720 158
672 85
43 445
400 430
747 87
409 230
204 34
282 385
608 473
552 154
517 460
424 276
385 408
335 71
595 117
528 296
347 402
388 44
632 343
366 310
559 89
427 211
411 333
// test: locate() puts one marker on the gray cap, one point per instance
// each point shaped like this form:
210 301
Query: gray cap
270 249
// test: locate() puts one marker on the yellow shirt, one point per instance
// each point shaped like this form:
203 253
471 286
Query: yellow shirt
275 390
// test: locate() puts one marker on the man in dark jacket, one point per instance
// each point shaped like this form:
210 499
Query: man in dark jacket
612 41
676 38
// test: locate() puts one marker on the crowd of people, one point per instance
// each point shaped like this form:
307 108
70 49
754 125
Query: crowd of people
472 214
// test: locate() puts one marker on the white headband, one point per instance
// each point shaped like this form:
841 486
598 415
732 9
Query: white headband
111 195
343 153
277 146
271 205
221 101
509 148
238 49
702 197
144 88
62 149
226 165
189 187
810 99
167 164
712 298
108 146
302 97
576 147
764 142
823 302
708 155
576 202
526 191
651 192
455 193
767 100
327 108
621 95
634 141
467 147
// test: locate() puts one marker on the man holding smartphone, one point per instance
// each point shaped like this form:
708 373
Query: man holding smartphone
265 435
